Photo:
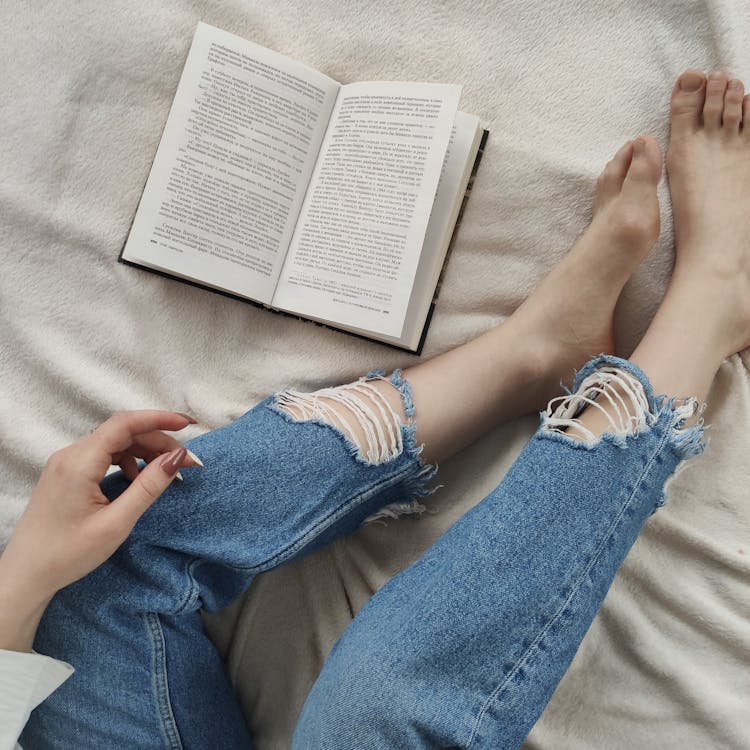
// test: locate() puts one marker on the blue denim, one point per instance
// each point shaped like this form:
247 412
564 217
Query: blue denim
463 649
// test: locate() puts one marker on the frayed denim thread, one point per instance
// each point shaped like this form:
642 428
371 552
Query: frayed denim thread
416 486
662 410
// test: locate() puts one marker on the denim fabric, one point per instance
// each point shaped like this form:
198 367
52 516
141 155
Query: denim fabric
463 649
146 675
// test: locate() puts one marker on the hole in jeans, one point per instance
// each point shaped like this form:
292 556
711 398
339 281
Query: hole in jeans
371 426
358 410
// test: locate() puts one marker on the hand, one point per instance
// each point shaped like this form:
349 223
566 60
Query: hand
69 527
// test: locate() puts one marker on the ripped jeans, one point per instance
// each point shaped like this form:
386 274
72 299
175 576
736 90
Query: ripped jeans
463 649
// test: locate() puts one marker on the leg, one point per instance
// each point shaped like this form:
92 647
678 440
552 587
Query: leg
146 676
465 648
707 307
516 368
705 314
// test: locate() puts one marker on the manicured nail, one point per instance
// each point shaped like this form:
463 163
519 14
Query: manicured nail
195 458
190 419
691 81
172 461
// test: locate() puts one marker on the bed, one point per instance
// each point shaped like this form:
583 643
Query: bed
86 90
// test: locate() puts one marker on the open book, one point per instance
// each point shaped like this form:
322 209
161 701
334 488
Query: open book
278 185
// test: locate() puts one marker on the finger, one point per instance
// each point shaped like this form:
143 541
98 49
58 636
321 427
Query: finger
154 444
150 445
121 429
143 491
129 466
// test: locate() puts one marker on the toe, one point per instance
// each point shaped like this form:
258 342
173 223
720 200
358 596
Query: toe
645 167
638 216
713 107
732 116
687 101
610 180
746 117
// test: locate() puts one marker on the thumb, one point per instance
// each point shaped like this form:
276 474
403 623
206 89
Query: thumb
146 488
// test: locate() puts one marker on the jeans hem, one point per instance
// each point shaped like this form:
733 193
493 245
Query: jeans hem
660 412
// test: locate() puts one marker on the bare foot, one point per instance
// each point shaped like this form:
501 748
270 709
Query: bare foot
705 314
709 177
571 310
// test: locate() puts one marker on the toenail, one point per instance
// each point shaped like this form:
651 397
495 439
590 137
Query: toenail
691 81
735 85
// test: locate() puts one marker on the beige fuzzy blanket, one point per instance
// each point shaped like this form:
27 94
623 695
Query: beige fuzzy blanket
86 90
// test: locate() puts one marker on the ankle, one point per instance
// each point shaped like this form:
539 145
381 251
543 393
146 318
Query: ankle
713 301
549 362
684 345
715 269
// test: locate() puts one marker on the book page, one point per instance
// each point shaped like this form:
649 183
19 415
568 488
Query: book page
454 179
233 165
459 160
355 252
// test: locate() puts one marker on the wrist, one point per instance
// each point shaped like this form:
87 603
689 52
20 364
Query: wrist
21 608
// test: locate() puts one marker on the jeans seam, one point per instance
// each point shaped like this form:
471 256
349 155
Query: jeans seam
167 721
194 592
524 658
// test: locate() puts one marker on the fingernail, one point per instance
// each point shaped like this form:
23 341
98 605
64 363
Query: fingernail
195 458
172 461
190 419
691 81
